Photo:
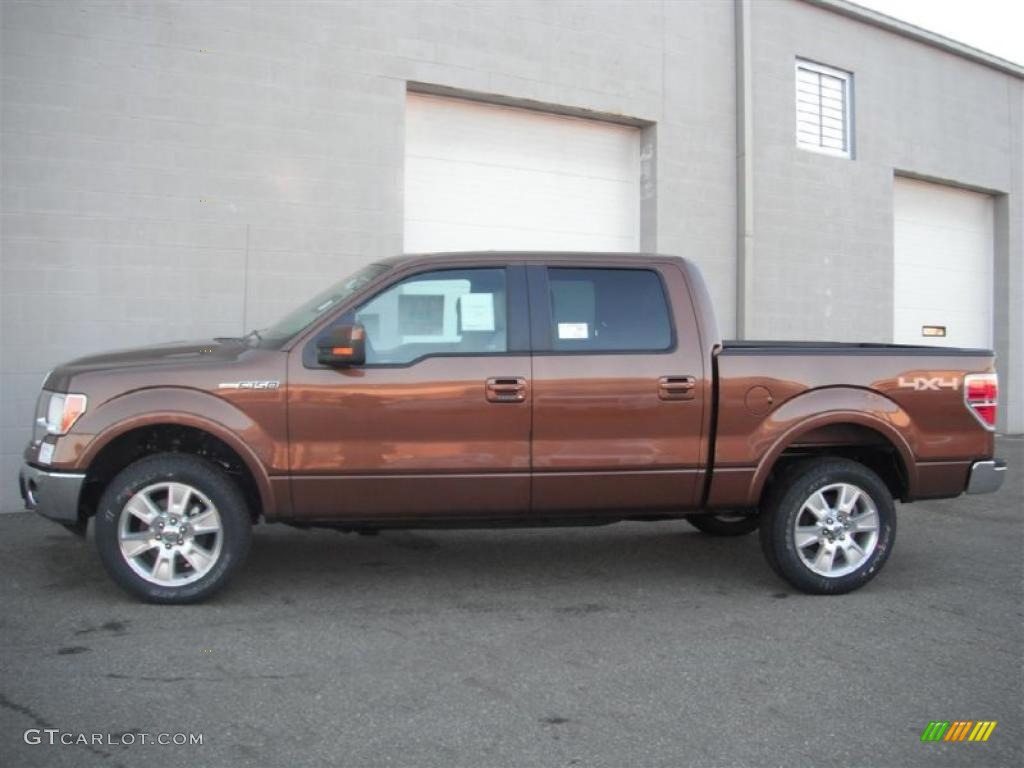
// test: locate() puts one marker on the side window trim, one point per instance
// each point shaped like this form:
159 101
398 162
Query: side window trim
542 325
540 309
517 310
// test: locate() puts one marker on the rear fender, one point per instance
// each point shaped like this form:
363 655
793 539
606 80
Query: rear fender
833 405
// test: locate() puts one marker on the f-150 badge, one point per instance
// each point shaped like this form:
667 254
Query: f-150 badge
249 385
921 383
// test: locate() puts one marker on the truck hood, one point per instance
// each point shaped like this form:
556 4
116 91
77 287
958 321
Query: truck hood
175 353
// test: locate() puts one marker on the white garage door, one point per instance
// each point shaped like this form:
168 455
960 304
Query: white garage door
944 261
480 177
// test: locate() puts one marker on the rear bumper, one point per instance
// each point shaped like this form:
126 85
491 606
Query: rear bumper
986 476
51 494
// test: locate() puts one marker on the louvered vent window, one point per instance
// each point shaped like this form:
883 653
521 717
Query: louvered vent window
823 112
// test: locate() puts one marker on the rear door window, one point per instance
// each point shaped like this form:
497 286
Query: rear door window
608 310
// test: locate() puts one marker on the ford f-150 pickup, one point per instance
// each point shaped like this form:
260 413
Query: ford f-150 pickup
519 389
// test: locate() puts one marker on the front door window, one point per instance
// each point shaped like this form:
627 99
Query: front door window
447 312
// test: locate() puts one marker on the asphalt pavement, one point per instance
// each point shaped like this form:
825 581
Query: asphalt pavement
639 644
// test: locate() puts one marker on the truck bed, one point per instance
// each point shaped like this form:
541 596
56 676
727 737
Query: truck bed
905 396
757 347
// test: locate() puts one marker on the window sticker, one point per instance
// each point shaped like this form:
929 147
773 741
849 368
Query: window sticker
477 311
573 331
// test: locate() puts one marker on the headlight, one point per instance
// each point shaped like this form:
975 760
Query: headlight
62 411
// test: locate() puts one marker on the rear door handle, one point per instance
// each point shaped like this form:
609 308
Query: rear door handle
506 389
676 387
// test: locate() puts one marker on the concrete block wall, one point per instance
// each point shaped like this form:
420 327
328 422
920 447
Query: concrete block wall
191 169
823 226
187 169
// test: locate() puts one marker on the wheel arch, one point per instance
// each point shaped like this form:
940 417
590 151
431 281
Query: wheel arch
868 435
135 426
140 441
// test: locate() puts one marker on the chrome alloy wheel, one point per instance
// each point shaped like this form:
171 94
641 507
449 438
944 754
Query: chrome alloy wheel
170 534
836 530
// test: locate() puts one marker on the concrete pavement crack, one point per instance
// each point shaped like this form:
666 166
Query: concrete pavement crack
43 724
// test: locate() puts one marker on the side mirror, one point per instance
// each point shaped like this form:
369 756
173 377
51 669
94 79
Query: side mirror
344 345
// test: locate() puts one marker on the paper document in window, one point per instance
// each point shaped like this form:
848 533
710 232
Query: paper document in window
477 311
573 331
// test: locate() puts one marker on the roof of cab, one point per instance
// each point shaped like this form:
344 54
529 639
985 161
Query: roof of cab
504 257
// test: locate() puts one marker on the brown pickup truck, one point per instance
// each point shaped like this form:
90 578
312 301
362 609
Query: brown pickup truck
518 389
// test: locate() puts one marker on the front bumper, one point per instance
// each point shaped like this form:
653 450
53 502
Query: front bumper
986 476
52 494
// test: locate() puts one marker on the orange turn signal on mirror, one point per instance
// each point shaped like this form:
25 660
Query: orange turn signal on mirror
341 351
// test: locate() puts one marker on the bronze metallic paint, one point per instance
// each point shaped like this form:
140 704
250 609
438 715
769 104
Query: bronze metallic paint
816 390
563 435
603 417
355 431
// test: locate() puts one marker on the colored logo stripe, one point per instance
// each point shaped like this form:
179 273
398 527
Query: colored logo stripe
958 730
982 730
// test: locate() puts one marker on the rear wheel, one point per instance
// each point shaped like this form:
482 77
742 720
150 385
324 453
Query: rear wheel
725 523
172 528
829 526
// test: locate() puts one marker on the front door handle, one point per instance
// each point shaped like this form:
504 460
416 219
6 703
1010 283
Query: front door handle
506 389
676 387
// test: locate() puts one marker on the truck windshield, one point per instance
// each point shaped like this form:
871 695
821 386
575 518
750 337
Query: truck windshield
305 315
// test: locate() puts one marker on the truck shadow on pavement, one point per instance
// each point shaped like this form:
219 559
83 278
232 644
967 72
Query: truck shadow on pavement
299 566
618 557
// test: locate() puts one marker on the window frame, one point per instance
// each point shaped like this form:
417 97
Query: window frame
848 107
541 320
516 308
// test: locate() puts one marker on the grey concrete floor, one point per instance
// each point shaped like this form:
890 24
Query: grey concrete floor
633 644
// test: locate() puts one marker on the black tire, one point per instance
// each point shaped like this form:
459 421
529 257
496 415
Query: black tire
725 524
784 505
206 478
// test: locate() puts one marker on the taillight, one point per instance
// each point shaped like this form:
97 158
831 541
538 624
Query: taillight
981 393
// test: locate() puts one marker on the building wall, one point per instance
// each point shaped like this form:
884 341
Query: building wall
188 169
823 226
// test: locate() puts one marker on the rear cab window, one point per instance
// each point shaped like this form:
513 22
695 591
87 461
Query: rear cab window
608 310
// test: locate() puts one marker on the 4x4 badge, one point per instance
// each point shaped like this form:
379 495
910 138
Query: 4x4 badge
920 383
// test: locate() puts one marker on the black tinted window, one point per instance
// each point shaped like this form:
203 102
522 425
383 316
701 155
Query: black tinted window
608 310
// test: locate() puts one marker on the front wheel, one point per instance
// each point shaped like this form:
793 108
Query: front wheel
172 528
828 526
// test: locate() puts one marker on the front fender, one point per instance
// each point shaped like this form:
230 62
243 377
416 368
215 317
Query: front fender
833 405
179 406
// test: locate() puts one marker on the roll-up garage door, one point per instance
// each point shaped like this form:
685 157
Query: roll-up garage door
943 265
480 176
